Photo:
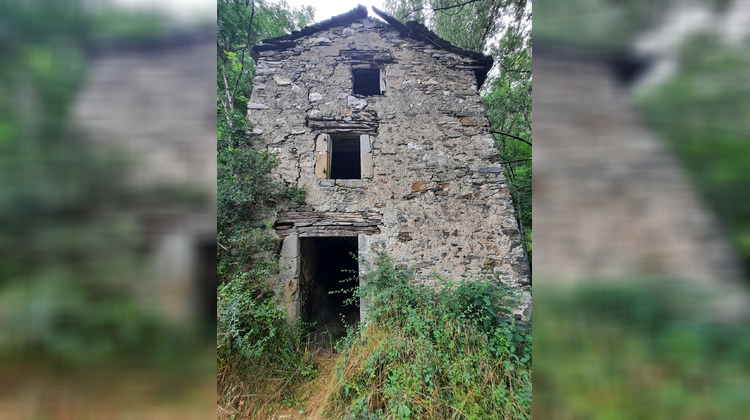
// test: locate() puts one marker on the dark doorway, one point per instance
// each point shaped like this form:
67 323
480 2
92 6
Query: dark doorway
345 158
329 265
205 286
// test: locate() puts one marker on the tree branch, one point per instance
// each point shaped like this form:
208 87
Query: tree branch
513 70
244 49
441 8
454 6
514 161
512 136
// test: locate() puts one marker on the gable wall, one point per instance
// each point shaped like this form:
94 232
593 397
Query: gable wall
445 207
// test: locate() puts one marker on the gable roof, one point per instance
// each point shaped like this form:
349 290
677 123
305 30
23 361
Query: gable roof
412 29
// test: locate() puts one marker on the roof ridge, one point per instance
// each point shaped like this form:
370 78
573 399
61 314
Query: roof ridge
411 29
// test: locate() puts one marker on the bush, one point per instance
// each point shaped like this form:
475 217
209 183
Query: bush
468 358
638 349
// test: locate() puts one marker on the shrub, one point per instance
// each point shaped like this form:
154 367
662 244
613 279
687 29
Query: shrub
638 349
426 353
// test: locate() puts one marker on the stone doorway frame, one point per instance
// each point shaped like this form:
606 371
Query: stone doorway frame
290 262
293 225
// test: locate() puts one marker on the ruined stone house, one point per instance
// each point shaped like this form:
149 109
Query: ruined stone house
382 124
611 202
127 109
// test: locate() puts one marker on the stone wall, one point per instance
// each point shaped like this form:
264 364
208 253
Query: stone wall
152 105
610 201
443 207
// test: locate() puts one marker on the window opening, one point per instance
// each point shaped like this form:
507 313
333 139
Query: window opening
345 158
367 82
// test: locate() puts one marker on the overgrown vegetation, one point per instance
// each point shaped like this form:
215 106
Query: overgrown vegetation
637 349
507 99
469 359
474 360
69 243
701 113
257 350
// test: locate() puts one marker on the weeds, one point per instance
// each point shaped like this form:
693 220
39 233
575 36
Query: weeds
638 349
427 353
421 353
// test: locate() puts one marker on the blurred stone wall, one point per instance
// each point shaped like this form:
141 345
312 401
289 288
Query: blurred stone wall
141 106
609 200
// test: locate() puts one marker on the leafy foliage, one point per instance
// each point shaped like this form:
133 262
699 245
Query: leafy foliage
409 361
253 338
702 115
240 25
507 99
637 349
596 23
243 186
480 21
69 244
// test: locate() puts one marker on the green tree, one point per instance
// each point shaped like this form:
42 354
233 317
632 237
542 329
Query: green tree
701 113
68 241
242 184
247 317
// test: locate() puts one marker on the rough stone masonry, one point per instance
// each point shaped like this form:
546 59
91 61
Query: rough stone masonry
427 190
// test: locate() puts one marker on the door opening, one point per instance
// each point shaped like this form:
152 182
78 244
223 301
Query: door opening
205 286
328 264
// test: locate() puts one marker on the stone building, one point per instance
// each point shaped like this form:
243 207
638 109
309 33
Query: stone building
127 110
611 202
382 124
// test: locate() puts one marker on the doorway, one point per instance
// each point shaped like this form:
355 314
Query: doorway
329 272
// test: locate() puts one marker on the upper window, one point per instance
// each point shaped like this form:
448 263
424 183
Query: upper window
367 81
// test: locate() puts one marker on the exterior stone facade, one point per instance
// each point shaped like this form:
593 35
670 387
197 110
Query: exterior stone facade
427 191
127 109
611 203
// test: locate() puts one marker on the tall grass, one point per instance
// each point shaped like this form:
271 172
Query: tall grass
420 354
261 359
425 353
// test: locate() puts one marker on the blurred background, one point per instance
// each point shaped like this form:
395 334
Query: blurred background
107 209
108 203
641 113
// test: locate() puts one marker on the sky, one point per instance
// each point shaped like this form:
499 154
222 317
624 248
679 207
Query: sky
327 9
188 9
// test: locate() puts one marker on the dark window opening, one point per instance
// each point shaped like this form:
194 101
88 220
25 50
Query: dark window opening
345 159
366 81
205 286
329 265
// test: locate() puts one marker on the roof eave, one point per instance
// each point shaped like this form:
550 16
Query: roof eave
287 41
420 32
